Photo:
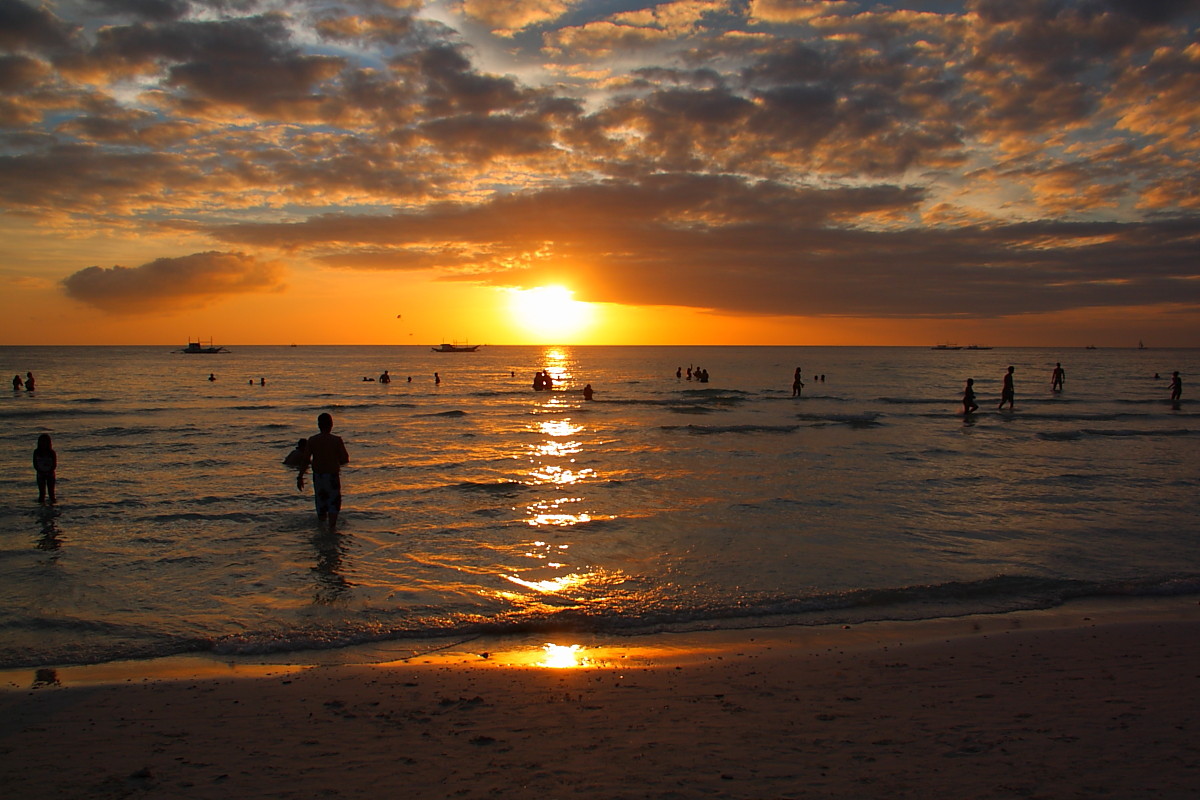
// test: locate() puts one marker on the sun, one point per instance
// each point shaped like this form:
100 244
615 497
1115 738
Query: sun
550 314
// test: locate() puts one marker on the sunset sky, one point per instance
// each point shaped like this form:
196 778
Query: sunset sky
1004 172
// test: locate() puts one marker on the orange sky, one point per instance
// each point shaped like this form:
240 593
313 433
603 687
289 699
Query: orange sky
694 172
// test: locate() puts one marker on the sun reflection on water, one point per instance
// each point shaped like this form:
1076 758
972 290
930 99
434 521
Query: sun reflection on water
560 656
551 585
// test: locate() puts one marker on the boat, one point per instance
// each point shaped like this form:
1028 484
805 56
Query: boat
946 347
447 347
977 347
203 347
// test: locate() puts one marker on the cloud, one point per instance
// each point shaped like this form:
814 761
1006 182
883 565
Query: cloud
718 242
510 15
169 283
24 27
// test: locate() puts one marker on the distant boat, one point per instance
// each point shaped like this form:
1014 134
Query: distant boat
446 347
202 347
946 347
1141 345
1090 347
978 347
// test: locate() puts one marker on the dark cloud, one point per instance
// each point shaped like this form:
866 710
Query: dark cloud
154 10
716 242
167 283
26 27
19 72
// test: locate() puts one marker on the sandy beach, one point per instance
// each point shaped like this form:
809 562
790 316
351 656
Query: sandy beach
1088 701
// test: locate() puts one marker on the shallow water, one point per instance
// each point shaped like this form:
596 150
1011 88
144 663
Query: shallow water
481 506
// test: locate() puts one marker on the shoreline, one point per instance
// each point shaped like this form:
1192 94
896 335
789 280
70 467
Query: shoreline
1086 700
662 649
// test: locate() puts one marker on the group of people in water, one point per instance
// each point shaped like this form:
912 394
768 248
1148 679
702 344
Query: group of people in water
26 384
1058 378
693 373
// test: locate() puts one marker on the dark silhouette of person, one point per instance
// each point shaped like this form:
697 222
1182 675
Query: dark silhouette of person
539 381
437 379
298 460
327 454
797 383
1007 393
212 377
1057 377
679 372
18 384
587 391
385 378
29 381
969 403
1176 387
45 462
547 381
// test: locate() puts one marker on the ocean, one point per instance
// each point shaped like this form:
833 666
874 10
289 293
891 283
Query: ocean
477 506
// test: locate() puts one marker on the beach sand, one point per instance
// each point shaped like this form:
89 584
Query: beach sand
1086 702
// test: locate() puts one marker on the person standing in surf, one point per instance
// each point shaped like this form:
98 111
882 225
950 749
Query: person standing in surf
327 453
969 403
1057 378
797 383
1007 394
45 462
1176 388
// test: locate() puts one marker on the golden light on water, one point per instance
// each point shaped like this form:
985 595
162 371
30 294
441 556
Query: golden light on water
550 585
559 656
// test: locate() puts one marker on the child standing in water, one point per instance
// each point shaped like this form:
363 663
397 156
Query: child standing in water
45 462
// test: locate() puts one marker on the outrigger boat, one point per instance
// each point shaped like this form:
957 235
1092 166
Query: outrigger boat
199 346
446 347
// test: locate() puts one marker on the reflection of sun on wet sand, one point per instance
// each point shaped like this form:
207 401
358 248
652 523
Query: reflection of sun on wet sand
1021 705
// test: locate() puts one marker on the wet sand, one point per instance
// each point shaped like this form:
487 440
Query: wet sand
1088 702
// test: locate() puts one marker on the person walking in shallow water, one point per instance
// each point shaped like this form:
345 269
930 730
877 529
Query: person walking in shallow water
1176 387
45 462
797 383
1057 378
969 403
327 453
1007 393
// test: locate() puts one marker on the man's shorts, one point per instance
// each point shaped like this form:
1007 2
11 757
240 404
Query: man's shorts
327 489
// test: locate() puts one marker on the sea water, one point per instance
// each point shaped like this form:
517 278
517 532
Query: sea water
479 506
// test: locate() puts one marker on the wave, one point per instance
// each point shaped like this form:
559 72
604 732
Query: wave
1074 435
705 430
503 488
83 642
867 420
918 401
